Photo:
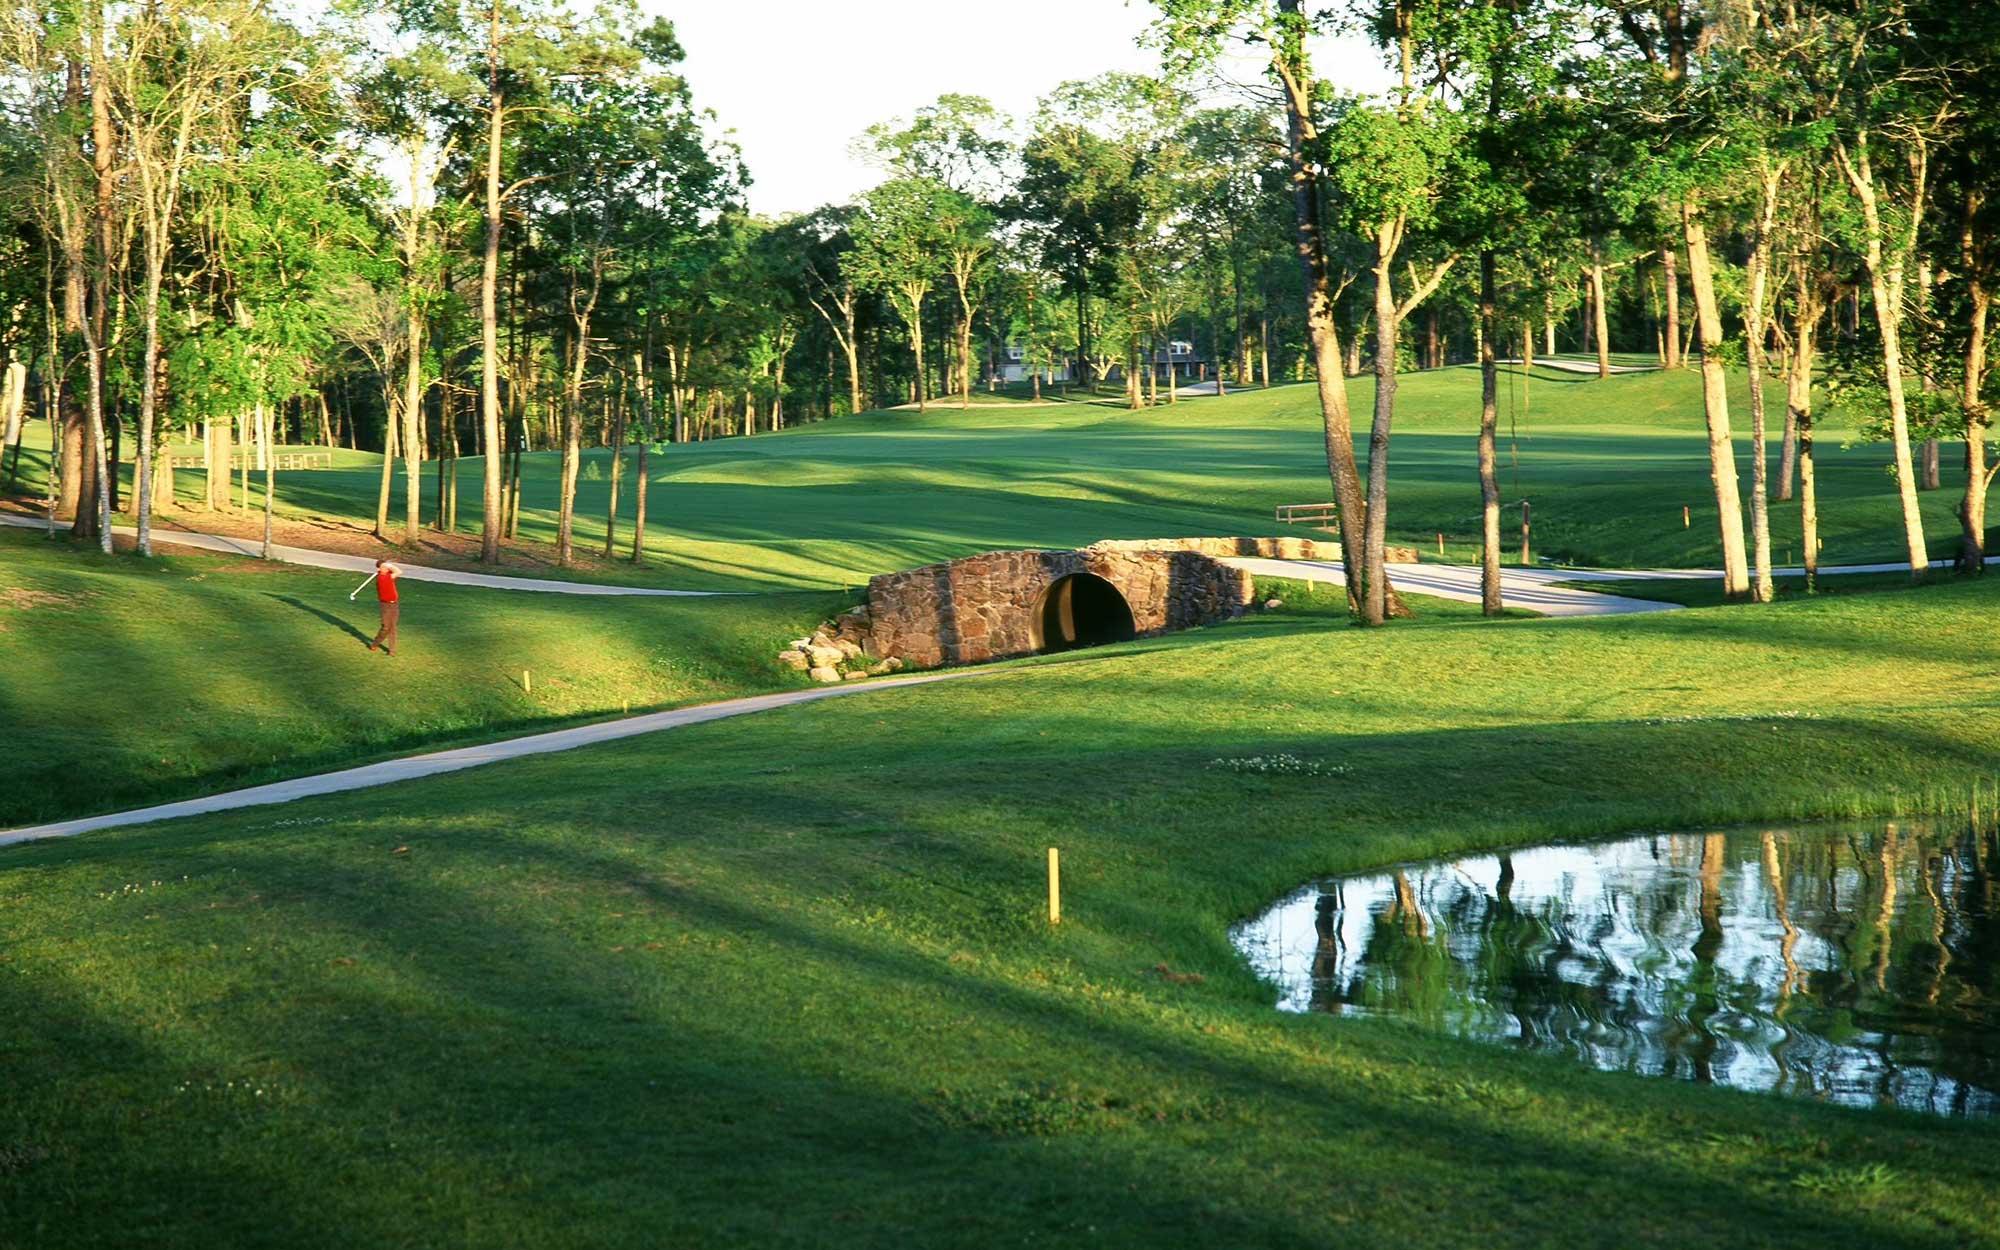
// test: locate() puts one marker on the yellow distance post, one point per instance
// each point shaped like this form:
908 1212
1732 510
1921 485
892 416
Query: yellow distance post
1055 886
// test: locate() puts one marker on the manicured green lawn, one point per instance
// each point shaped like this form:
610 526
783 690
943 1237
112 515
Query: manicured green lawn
785 980
1607 465
124 681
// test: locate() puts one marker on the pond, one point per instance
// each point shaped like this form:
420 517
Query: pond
1859 965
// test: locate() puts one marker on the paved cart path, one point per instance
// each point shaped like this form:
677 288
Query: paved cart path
1542 589
1535 589
310 557
411 767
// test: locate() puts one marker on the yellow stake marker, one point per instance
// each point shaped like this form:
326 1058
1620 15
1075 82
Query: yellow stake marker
1055 886
527 683
1684 516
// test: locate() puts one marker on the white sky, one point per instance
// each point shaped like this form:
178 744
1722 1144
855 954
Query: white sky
798 80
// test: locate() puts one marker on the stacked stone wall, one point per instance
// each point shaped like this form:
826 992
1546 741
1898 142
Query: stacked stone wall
988 607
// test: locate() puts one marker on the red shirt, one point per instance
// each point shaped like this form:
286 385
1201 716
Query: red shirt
385 584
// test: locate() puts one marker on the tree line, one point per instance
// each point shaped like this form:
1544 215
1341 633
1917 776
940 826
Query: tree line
1802 157
443 228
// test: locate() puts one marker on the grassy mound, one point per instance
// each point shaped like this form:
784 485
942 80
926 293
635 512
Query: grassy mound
785 980
125 681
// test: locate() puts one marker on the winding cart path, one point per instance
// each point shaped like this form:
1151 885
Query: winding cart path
1534 589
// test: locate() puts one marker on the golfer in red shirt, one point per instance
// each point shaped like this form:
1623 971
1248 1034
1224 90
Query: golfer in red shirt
385 594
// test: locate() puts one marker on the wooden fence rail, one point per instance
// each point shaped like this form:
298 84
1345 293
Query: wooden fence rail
1321 514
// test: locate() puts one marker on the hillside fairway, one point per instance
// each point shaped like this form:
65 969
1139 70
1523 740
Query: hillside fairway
786 980
125 681
1608 466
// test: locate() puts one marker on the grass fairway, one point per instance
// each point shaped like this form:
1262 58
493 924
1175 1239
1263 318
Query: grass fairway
1608 465
784 981
191 674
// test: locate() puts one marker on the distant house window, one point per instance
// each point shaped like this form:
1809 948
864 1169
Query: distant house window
1014 353
1181 347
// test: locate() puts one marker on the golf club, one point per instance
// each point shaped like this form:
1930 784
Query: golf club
363 586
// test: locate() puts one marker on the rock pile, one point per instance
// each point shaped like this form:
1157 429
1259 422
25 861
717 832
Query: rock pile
838 651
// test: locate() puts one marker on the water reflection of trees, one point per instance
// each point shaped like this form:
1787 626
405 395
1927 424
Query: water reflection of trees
1857 966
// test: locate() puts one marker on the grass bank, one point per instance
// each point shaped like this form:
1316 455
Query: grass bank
124 681
784 981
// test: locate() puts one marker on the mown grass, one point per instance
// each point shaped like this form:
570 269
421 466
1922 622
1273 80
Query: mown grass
1708 592
785 980
1608 466
126 681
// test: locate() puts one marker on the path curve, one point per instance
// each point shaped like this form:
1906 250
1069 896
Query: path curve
1537 589
1542 589
1533 589
311 557
433 763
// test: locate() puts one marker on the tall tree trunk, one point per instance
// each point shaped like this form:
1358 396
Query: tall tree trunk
1083 334
1978 475
104 145
964 348
489 282
1489 423
1715 401
1600 315
221 459
382 493
572 450
617 458
1753 318
1807 308
1927 454
413 407
1788 455
1670 281
1374 602
1322 330
849 349
1885 282
676 415
11 408
641 362
149 391
265 422
917 342
93 513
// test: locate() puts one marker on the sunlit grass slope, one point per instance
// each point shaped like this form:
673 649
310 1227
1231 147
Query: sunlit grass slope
785 981
1607 466
124 681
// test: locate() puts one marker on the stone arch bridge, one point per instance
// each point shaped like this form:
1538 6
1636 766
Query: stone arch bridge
1013 603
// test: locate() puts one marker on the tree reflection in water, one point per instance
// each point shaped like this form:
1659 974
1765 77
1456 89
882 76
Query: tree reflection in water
1860 966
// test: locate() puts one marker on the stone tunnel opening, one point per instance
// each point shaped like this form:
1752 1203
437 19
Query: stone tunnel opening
1082 610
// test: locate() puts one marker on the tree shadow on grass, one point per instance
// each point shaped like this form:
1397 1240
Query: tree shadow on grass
472 1003
345 626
